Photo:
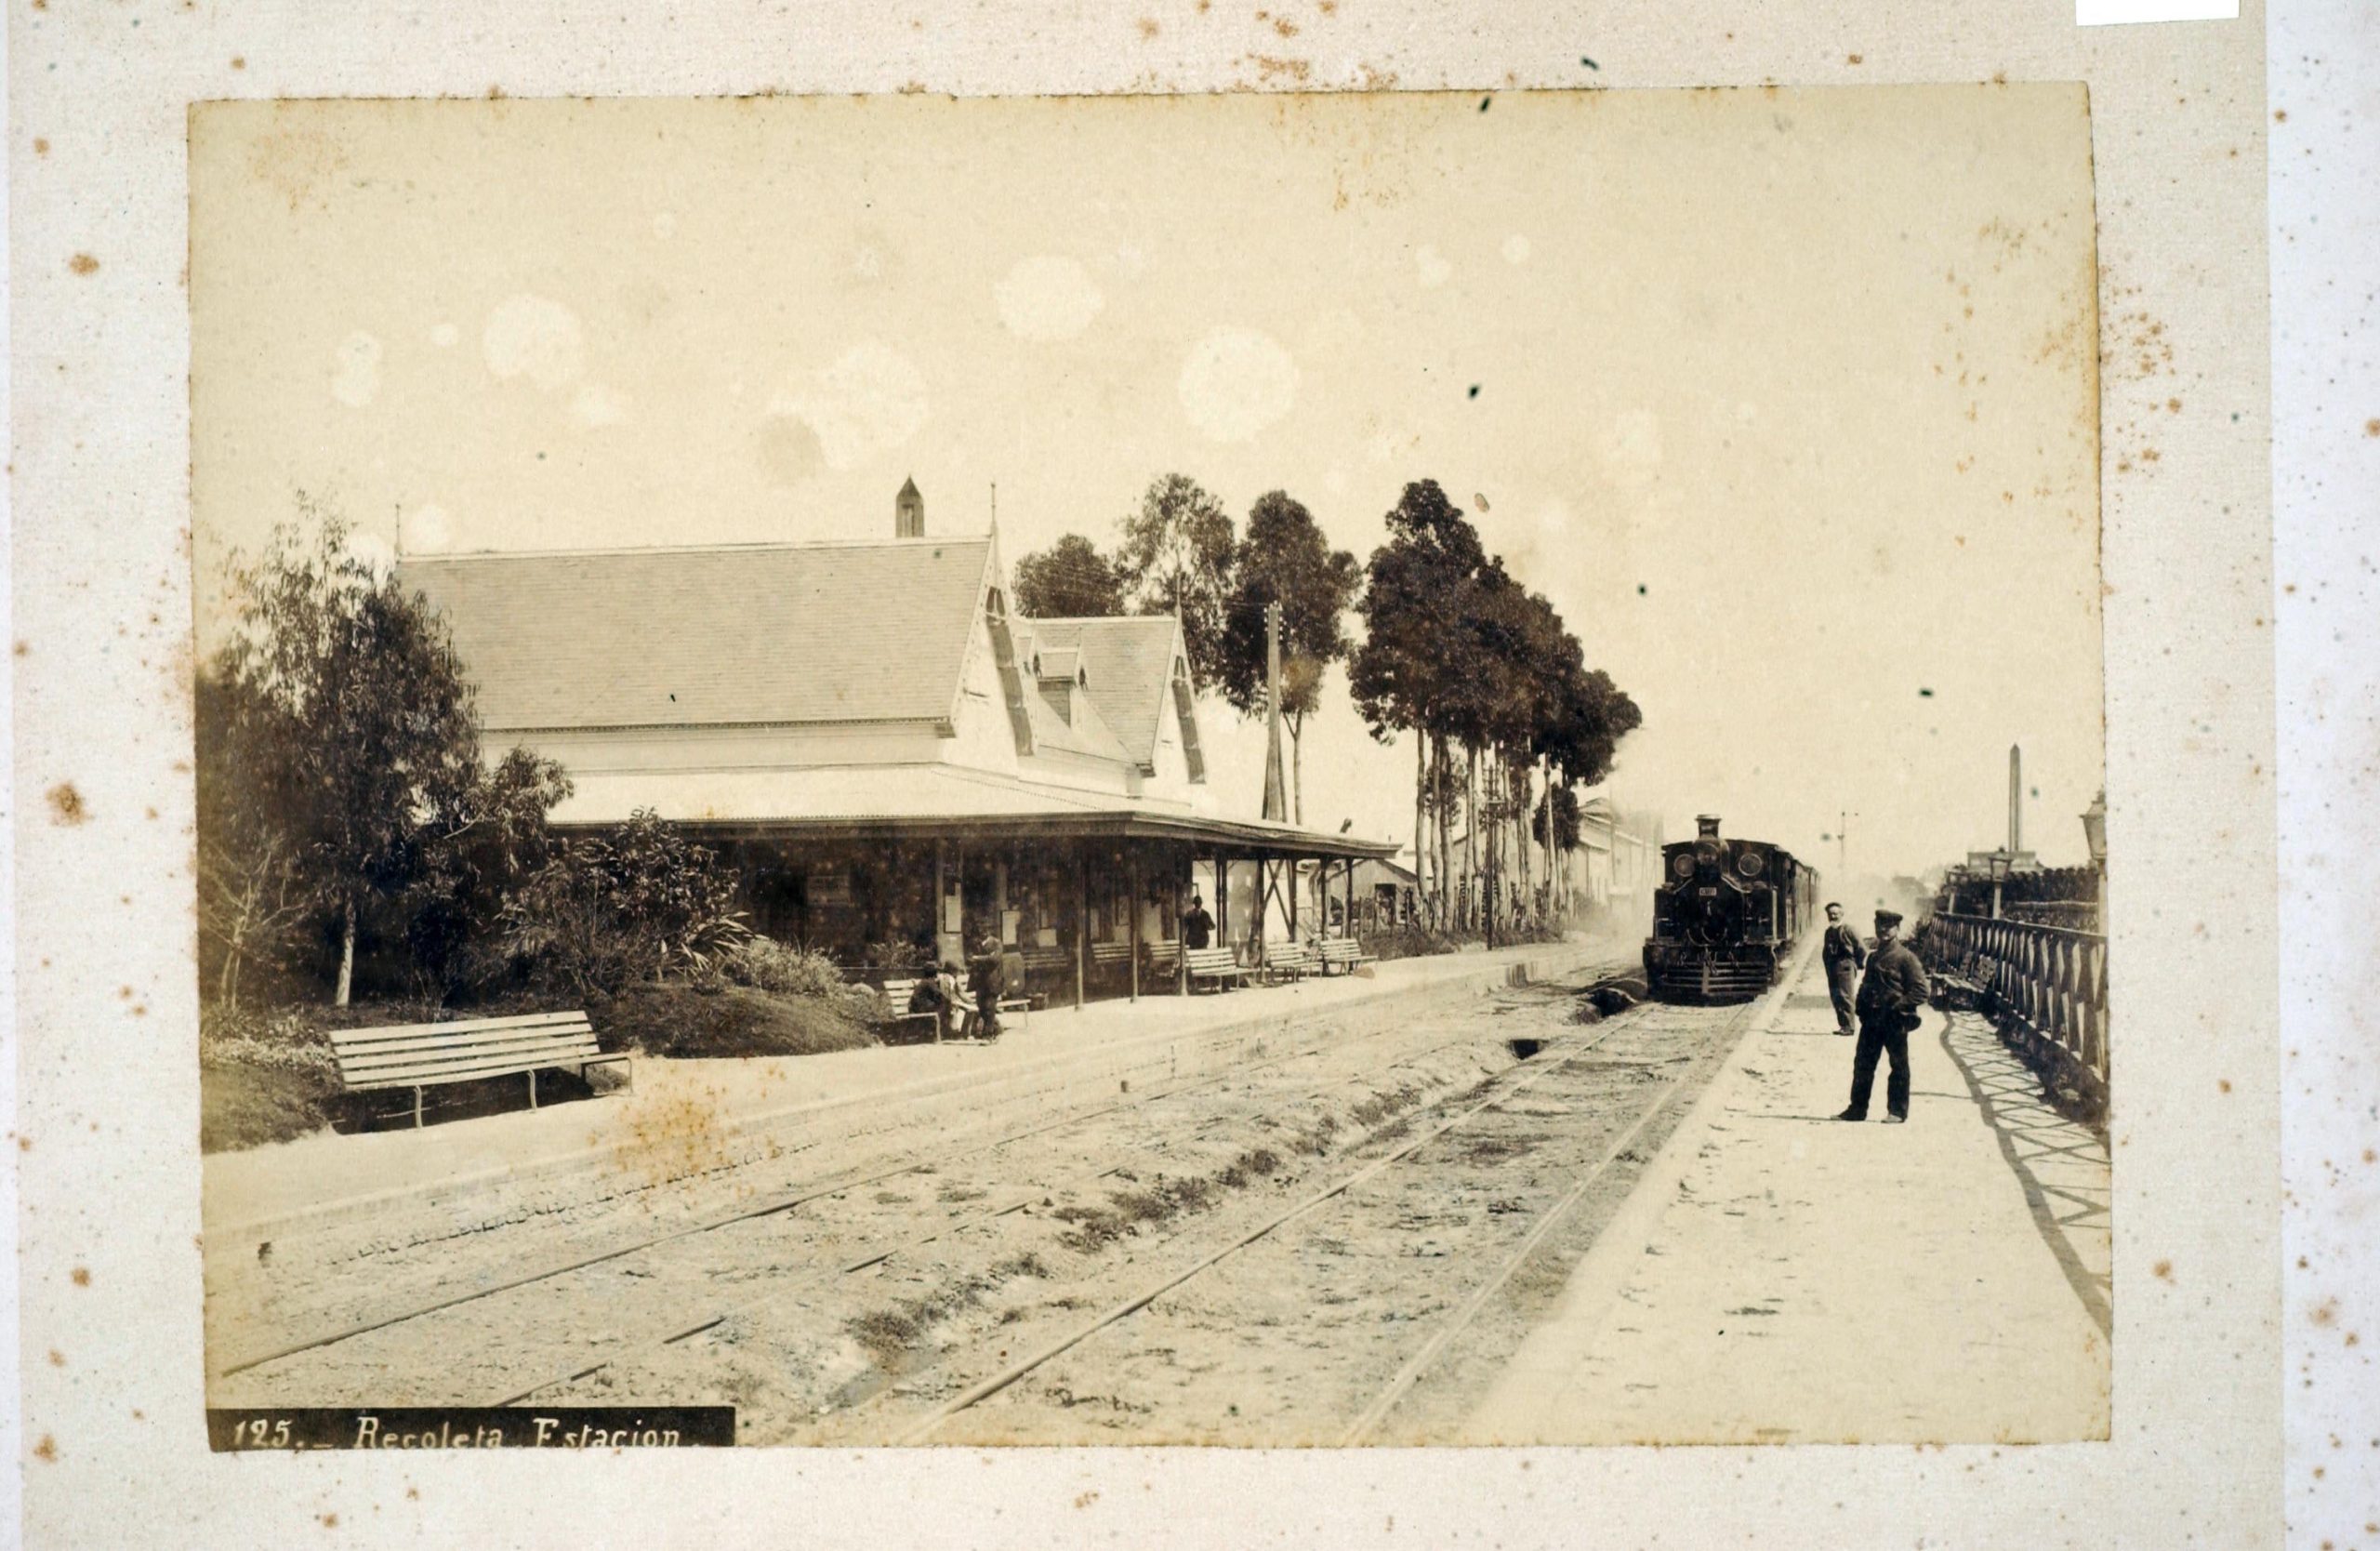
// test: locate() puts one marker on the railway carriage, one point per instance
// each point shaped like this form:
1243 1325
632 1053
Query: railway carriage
1724 917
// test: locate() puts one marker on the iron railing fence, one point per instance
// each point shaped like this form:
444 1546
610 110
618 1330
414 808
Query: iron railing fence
2046 988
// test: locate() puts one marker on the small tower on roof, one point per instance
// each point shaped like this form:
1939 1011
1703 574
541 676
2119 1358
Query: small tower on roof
908 511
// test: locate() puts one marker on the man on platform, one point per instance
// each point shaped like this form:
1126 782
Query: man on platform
1197 926
1845 956
1890 994
987 982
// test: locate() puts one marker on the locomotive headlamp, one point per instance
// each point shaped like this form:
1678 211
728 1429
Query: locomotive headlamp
1750 863
1682 864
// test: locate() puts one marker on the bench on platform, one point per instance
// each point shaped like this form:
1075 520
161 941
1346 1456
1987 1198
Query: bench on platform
898 992
1164 956
1344 954
896 1005
1292 961
1048 961
420 1055
1963 984
1109 955
1215 964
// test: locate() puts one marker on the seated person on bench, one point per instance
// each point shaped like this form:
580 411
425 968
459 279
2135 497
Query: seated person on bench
938 994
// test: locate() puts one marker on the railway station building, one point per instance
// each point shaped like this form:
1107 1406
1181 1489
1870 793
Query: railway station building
894 762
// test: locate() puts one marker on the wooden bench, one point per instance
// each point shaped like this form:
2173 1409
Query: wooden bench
896 1012
419 1055
1163 956
1048 961
1343 953
896 1004
1965 984
1109 955
1215 964
1291 962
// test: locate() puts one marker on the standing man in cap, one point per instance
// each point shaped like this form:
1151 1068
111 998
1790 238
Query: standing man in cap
1890 995
1844 955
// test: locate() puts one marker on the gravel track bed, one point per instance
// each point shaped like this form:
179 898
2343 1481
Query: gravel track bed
1283 1343
1167 1155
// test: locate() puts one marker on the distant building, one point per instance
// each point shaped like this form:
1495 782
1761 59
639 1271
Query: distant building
1612 872
895 763
1618 864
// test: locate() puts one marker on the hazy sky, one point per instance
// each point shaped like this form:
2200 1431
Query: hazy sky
1786 399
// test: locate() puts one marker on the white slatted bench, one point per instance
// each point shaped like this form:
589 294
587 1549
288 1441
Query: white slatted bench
1292 961
1343 953
424 1056
896 1005
1215 964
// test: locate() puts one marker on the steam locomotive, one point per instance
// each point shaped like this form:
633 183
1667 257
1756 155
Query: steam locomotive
1724 916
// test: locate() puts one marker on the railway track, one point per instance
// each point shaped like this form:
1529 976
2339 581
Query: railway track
486 1296
1498 1260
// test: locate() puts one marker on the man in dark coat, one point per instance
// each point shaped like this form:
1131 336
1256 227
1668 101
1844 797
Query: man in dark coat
986 978
1890 994
1845 956
1197 926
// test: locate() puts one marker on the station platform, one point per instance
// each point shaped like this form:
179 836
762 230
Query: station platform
1783 1277
682 1116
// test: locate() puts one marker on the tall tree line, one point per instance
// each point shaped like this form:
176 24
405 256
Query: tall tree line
1179 555
1496 691
1507 718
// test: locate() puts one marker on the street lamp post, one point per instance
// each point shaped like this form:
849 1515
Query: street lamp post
2094 833
2001 861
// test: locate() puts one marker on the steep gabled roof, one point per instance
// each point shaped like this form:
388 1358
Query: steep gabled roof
1088 734
714 636
1129 660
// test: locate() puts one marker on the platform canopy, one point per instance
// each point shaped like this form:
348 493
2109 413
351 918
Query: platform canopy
927 801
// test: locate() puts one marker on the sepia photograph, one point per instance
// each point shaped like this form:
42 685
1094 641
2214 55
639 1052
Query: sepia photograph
1276 771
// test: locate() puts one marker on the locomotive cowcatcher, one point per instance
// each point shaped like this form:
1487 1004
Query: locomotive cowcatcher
1724 916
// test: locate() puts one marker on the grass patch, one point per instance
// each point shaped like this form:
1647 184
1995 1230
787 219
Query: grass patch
1255 1163
1130 1210
888 1334
678 1023
1381 1106
1315 1142
246 1105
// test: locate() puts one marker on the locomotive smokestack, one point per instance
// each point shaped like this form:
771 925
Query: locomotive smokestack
2015 798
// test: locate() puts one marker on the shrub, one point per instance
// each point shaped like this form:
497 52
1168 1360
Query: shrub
624 907
766 964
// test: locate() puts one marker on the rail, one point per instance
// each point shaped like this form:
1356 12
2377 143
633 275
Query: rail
2045 987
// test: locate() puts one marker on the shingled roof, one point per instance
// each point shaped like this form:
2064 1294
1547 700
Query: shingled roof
1129 660
736 634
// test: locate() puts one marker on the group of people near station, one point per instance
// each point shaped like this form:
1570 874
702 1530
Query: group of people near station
1882 989
977 1004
